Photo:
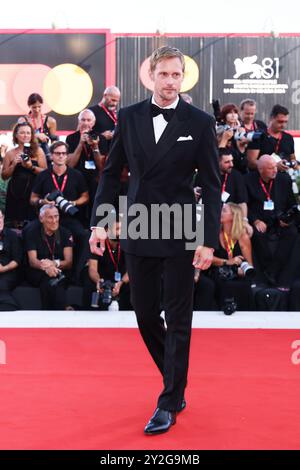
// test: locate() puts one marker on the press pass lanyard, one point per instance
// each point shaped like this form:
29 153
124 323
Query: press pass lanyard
116 264
63 183
51 249
110 114
267 193
225 182
278 142
229 245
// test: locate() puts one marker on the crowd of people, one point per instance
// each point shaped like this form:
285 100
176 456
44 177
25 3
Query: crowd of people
52 182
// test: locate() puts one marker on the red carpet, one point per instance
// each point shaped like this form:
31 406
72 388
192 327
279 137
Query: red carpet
96 388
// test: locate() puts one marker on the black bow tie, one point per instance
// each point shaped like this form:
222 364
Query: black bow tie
167 113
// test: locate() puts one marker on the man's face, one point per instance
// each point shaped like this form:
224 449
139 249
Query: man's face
248 113
50 220
60 155
279 122
167 77
268 171
86 122
226 164
111 101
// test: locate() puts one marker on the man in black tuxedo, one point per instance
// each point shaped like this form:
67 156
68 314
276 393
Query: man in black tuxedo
163 140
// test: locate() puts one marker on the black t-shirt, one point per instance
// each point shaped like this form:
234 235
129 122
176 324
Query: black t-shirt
86 155
106 267
74 185
283 146
104 122
235 186
10 247
48 247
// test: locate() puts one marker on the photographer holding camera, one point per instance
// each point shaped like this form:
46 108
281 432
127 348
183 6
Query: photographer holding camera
107 275
232 136
50 253
66 188
85 153
275 141
21 164
232 262
270 197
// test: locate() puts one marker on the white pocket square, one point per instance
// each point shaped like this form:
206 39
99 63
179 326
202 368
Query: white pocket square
180 139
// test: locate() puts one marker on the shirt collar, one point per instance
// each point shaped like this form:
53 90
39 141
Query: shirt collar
170 106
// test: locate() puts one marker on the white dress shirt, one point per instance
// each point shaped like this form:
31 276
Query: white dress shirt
159 122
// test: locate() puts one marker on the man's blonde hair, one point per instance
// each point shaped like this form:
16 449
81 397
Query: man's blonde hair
166 52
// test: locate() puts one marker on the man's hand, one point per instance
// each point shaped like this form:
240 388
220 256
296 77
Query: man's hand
108 135
203 257
260 226
281 166
98 235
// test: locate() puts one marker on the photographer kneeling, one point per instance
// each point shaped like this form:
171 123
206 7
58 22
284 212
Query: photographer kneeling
66 188
50 253
106 278
232 264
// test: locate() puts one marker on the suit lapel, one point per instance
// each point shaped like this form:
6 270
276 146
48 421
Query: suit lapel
144 129
145 132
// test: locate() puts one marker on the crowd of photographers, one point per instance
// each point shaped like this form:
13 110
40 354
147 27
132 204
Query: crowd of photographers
44 231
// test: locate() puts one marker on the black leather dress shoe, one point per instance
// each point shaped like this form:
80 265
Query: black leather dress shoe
183 405
160 422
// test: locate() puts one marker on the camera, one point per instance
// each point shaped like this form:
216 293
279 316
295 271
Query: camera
106 296
92 135
291 164
290 215
63 204
54 281
247 269
250 136
228 272
229 306
26 152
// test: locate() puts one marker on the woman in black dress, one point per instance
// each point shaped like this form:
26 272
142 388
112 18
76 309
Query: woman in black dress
21 165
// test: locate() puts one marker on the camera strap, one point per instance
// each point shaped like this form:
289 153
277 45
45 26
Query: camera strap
278 141
40 129
56 182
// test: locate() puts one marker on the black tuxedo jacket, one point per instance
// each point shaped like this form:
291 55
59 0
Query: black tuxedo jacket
162 173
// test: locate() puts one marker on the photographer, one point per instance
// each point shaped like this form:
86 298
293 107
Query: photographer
231 136
247 115
85 153
44 126
67 188
108 273
275 141
232 263
270 196
106 117
21 165
50 254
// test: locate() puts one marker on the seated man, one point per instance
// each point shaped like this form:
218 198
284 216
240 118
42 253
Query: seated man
270 197
10 260
50 253
108 273
69 183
